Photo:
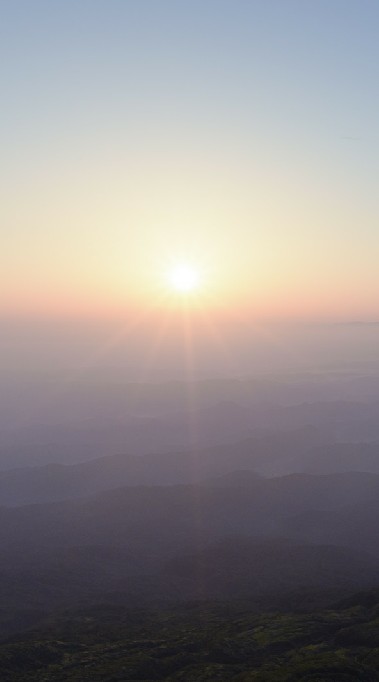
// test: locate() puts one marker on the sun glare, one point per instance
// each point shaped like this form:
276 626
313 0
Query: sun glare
184 278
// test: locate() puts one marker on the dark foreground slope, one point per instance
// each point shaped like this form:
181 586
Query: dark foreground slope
201 642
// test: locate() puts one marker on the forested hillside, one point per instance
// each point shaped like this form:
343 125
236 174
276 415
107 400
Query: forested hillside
200 642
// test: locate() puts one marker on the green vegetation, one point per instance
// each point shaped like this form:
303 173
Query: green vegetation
200 642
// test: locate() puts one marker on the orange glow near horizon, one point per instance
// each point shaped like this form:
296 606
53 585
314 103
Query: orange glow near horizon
217 285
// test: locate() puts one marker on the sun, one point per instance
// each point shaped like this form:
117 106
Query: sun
184 278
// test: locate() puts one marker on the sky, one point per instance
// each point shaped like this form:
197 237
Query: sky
239 136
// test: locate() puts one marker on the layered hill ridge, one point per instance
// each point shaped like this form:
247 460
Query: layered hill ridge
272 454
173 515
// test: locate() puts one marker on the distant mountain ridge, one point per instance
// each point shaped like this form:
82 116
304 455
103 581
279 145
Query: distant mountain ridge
78 439
266 454
178 515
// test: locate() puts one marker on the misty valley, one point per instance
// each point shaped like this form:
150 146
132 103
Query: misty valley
233 536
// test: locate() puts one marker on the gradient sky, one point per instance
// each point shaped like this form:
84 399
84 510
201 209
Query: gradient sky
240 135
